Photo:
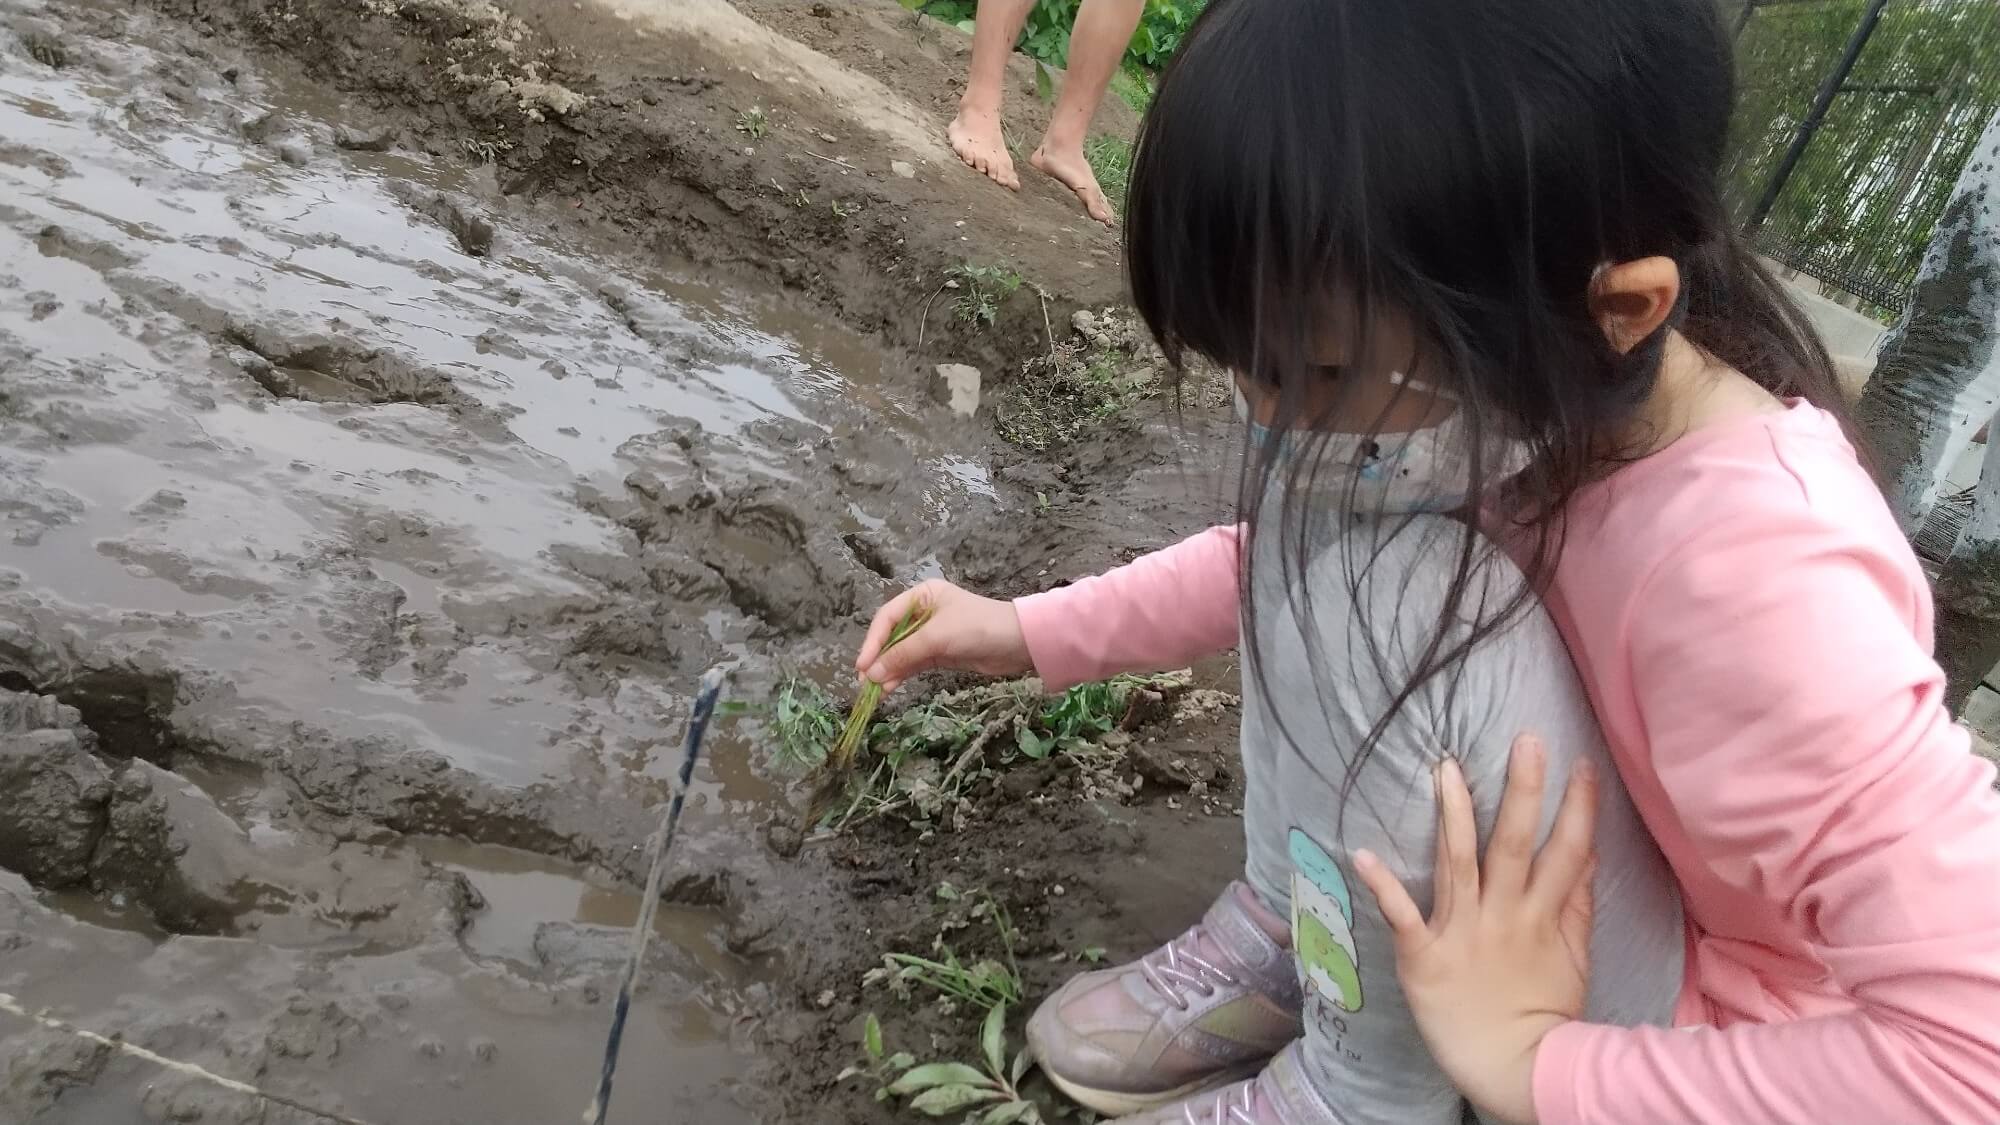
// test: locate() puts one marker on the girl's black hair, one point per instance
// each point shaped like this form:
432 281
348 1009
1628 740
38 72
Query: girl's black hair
1462 168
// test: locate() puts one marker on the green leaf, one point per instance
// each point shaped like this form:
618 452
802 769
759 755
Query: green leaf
1009 1114
871 1037
1022 1062
901 1060
965 26
932 1075
915 5
1036 746
1045 82
940 1100
993 1038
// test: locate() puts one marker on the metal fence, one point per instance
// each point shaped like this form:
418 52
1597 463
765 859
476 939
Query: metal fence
1854 119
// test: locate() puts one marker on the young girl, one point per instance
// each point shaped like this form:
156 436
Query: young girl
1515 203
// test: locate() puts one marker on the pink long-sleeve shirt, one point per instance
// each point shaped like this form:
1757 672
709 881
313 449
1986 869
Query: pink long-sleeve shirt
1755 635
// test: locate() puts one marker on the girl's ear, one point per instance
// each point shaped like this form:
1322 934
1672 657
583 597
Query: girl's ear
1632 299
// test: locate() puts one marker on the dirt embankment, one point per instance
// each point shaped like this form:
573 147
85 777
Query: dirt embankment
722 143
402 403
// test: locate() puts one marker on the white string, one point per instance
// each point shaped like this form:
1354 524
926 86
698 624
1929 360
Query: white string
13 1006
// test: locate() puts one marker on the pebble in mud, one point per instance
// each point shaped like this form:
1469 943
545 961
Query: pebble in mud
430 1047
485 1050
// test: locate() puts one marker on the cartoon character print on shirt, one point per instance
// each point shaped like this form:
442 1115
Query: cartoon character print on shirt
1323 924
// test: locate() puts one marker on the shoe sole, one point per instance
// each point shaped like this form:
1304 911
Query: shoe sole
1113 1103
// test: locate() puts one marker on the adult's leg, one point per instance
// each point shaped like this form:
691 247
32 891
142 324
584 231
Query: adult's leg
1096 47
975 133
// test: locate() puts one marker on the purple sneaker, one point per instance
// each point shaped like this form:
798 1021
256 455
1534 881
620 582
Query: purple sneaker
1279 1096
1207 1008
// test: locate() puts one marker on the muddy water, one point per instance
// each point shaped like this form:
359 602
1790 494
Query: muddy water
375 509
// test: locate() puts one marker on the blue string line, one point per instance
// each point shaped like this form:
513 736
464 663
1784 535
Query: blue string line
663 840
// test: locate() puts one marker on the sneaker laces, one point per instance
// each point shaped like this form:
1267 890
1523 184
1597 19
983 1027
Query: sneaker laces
1179 973
1233 1106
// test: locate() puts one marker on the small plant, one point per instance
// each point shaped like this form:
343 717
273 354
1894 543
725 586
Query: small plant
845 210
1092 954
801 200
991 1095
980 984
982 290
876 1064
805 722
752 123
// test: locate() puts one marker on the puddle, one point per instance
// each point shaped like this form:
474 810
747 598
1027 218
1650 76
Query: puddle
524 891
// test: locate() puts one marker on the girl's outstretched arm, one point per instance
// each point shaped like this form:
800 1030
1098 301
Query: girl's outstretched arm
1158 611
1812 788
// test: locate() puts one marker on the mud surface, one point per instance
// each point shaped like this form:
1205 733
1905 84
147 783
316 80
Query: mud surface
394 421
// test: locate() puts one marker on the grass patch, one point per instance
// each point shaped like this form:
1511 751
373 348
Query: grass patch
752 123
1134 85
1111 161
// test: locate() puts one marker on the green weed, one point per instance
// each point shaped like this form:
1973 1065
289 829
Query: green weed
805 722
926 761
876 1063
752 123
978 984
982 290
990 1094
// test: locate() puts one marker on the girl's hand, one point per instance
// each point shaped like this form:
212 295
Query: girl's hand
1504 958
966 632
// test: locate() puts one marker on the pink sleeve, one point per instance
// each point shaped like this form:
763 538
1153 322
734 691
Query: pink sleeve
1158 611
1784 679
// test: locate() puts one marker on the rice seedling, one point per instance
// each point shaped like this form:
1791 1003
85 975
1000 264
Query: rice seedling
839 765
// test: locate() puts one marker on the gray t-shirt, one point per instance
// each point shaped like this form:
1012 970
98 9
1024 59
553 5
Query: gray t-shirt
1335 640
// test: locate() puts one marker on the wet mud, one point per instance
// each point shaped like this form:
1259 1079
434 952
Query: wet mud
373 484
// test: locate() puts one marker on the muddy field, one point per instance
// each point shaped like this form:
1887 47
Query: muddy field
401 404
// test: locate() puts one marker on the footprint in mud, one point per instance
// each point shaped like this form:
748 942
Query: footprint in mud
776 571
318 369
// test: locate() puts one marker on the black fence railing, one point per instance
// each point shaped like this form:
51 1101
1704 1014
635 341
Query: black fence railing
1854 120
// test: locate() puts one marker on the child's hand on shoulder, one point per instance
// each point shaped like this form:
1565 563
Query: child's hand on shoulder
1504 957
966 633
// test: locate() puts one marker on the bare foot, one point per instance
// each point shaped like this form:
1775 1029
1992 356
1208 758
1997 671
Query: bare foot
979 141
1069 166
